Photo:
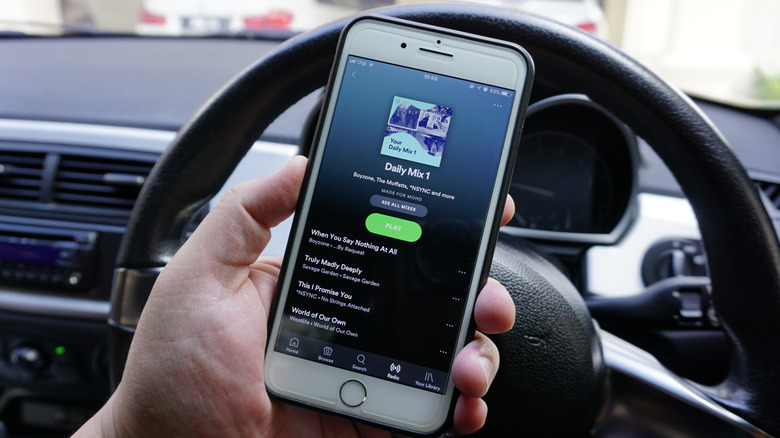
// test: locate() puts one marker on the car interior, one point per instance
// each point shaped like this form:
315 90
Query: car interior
643 257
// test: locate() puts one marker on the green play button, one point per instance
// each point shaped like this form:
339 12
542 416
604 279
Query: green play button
394 227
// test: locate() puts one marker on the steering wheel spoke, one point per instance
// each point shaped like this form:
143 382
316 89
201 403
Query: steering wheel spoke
645 399
131 289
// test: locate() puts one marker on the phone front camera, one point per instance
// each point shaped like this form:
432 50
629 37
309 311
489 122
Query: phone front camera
403 45
438 42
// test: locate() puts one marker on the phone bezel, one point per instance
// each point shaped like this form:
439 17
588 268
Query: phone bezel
475 59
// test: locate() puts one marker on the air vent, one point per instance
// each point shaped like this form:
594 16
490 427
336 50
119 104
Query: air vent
99 181
21 175
771 190
59 182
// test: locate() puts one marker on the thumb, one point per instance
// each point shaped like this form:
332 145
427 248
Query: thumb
236 231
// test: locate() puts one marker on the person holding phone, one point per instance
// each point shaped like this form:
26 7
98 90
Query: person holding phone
195 367
399 212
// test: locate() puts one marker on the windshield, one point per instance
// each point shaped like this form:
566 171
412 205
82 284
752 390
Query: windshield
723 50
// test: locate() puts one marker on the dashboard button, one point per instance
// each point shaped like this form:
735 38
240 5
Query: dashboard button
28 358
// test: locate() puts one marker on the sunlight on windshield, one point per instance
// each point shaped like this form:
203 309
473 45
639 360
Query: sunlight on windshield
722 50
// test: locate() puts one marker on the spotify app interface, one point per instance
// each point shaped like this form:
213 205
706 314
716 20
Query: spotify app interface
380 281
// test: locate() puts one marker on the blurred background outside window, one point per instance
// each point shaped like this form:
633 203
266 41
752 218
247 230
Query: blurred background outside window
723 50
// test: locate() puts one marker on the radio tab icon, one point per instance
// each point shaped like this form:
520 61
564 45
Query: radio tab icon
395 368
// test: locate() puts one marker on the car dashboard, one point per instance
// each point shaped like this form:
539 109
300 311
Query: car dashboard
83 120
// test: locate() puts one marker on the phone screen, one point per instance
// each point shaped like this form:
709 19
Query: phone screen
388 251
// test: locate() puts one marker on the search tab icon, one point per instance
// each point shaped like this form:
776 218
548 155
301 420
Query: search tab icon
361 359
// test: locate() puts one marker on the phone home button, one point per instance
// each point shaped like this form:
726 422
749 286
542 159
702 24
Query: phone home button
353 393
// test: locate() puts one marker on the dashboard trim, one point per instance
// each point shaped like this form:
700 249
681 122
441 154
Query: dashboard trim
103 136
112 137
38 304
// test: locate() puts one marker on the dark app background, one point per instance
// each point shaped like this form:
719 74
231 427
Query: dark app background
416 310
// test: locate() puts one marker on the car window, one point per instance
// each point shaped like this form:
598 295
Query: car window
722 50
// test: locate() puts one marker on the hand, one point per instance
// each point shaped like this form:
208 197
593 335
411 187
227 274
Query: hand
195 367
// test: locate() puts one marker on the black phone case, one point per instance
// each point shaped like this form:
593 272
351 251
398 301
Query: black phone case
494 226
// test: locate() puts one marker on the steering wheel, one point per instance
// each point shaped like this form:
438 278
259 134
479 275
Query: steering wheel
560 375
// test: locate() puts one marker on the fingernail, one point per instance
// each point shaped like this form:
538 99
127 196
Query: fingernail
487 367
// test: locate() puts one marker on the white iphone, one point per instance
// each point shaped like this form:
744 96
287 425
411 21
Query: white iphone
396 222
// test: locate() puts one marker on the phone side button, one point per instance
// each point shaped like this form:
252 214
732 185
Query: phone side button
353 393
